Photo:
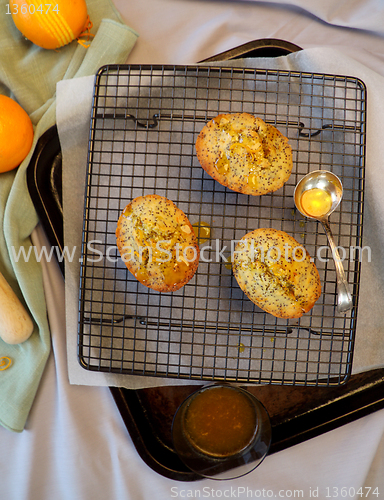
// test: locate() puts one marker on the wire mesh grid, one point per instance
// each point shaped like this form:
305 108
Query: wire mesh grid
144 125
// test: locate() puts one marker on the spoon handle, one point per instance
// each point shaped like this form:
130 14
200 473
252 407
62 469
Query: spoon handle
344 298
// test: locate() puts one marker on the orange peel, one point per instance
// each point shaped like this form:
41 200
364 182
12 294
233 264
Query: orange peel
5 363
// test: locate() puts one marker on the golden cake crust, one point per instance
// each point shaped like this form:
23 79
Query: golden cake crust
244 153
276 273
157 243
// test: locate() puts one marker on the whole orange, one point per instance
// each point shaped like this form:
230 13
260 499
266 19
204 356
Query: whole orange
49 24
16 134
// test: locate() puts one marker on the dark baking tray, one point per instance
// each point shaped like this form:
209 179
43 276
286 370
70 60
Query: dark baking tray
297 413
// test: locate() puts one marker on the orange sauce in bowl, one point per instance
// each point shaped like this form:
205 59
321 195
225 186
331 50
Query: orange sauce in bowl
220 421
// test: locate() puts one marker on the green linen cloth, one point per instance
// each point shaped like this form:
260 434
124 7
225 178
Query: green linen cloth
29 74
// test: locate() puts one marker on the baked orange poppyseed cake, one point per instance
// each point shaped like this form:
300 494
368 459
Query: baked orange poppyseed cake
276 273
245 154
157 243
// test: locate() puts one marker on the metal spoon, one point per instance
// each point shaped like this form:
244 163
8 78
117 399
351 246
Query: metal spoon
331 184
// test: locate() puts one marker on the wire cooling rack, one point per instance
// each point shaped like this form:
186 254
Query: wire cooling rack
144 125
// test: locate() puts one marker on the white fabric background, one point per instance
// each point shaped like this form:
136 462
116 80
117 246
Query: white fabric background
75 445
